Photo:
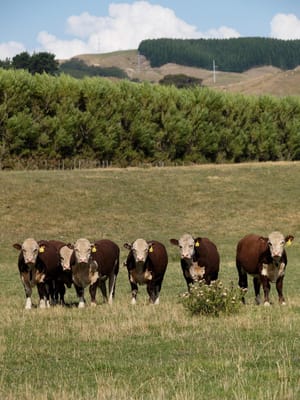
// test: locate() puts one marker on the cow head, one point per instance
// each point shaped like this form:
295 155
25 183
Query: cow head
140 249
30 250
83 249
186 246
65 254
276 243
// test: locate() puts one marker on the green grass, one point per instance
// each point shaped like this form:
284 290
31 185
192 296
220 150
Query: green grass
150 352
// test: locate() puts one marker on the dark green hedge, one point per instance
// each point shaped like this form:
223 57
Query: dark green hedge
48 117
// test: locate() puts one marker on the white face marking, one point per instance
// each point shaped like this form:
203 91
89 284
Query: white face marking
30 250
82 249
65 254
140 250
186 246
276 243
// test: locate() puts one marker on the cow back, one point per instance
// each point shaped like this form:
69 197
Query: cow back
251 250
107 256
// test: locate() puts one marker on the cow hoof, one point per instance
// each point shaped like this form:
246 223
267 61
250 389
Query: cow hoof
283 303
93 304
156 302
42 304
28 304
267 304
81 304
133 301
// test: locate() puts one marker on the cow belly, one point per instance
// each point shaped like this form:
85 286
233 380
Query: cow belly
140 277
195 272
272 271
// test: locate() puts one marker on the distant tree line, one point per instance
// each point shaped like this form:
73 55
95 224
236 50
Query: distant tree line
37 63
62 118
233 55
45 62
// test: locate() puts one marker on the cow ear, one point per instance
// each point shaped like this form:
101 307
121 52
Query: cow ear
17 246
263 239
70 245
174 241
128 246
150 247
289 239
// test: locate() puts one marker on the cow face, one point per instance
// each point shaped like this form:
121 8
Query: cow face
186 246
30 250
140 249
276 244
65 254
82 250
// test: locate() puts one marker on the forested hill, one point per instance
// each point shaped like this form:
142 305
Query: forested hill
234 55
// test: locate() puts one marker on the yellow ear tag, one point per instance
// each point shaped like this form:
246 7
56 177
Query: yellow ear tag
197 244
42 249
289 242
151 249
94 249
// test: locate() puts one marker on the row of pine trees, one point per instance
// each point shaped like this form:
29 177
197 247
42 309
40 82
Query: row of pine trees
231 55
126 123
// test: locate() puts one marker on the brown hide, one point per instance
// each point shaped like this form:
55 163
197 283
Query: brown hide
207 256
106 256
251 251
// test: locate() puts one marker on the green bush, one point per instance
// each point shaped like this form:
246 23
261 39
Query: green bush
213 299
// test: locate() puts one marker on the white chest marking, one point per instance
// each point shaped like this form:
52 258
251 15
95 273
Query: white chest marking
196 272
140 277
273 272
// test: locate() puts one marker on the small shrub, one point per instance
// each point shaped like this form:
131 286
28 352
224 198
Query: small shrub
212 299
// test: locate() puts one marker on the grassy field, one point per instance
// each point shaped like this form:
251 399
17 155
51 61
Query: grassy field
150 352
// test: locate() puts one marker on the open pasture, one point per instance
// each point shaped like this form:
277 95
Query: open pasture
150 352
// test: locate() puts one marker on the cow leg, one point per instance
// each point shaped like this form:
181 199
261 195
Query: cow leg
134 292
266 286
44 295
256 284
111 287
27 289
80 295
279 284
153 290
243 280
93 291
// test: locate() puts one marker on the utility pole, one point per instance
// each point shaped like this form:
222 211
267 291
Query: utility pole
214 71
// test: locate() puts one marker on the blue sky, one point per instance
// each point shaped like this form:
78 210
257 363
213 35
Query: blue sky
70 27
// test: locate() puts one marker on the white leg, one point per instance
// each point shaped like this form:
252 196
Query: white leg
28 303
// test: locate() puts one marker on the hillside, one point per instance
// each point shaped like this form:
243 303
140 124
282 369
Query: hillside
257 81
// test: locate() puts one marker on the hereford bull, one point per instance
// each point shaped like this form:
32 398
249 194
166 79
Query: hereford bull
39 265
92 264
199 259
265 259
146 265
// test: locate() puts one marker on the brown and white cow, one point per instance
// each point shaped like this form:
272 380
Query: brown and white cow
92 264
65 252
39 265
265 259
146 265
199 258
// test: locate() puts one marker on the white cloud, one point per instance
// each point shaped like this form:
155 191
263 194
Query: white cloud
285 26
10 49
124 28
